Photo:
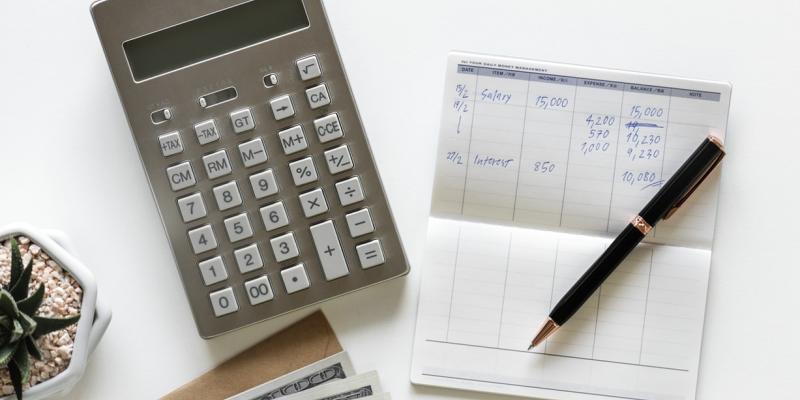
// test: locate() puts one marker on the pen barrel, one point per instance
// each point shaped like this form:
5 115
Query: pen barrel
683 182
591 280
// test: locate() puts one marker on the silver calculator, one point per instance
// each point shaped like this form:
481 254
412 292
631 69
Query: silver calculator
255 153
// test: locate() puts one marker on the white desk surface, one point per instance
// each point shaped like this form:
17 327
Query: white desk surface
68 162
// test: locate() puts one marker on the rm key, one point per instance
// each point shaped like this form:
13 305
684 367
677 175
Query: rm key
329 250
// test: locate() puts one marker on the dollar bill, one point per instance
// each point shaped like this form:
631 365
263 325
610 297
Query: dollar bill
333 368
361 386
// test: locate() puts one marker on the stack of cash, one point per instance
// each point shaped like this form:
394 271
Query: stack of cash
332 378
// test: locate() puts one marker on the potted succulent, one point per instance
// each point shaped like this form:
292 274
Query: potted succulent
49 316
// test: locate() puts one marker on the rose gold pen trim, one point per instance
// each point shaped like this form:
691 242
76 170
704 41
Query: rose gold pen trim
548 328
642 225
717 141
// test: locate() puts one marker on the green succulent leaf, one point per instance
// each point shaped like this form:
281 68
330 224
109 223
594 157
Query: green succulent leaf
28 324
16 379
32 303
19 290
6 352
23 362
33 348
7 304
17 333
5 323
16 262
46 325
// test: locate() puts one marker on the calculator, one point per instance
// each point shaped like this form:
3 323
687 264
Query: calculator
255 153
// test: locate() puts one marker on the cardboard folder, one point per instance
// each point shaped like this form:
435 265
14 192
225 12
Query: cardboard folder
301 344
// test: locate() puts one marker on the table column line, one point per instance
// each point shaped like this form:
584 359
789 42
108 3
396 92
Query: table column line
469 140
505 287
521 148
614 168
569 151
646 299
453 286
553 283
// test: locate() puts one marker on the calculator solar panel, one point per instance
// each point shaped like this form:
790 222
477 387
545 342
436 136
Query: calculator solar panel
255 153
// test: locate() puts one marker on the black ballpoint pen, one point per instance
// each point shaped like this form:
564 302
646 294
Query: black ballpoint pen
671 196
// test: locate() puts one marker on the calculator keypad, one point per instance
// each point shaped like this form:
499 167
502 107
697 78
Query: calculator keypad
267 227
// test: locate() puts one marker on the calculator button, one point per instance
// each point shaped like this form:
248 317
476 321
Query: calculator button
263 184
238 228
223 302
339 160
350 191
242 121
370 254
248 259
258 290
202 239
329 250
309 68
206 132
328 128
253 153
192 207
360 223
213 271
295 278
181 176
217 164
318 96
282 107
293 140
284 247
170 143
313 203
274 216
227 196
303 171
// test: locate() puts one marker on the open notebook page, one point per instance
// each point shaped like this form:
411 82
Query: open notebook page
486 288
538 166
572 148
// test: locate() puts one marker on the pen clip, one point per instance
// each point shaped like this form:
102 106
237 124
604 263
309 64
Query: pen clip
717 142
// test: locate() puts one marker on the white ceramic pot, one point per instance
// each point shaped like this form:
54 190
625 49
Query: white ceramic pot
95 315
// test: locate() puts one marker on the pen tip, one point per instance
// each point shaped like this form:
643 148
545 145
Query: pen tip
549 327
530 347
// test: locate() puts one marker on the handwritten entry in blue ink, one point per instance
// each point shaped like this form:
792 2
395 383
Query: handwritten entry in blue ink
571 148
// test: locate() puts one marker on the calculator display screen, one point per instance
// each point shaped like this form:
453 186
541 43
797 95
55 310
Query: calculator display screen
212 35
